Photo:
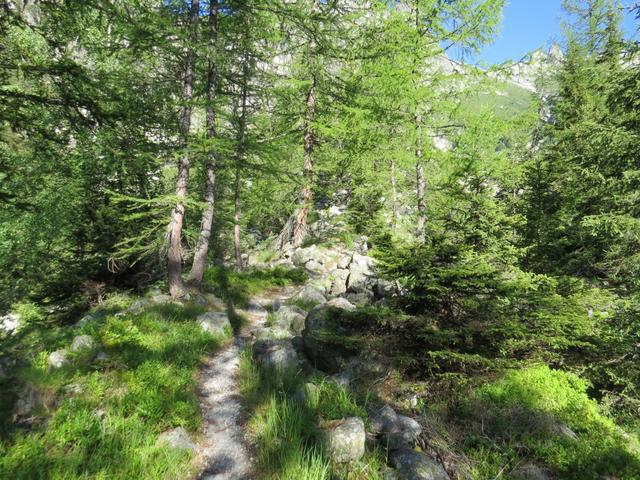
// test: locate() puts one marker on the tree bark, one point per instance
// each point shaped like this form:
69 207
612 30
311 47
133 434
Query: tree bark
236 222
240 155
306 195
394 197
202 247
420 182
174 237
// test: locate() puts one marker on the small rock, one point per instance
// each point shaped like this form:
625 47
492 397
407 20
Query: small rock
530 471
216 323
102 357
562 430
73 389
177 438
59 358
161 299
345 440
412 465
83 343
342 378
304 392
10 323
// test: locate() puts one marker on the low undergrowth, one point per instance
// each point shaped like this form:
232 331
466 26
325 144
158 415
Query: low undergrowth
101 419
545 416
285 425
238 287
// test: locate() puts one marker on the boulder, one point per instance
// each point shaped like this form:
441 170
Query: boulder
412 465
384 289
301 256
345 440
177 438
83 343
30 398
102 357
364 297
271 332
343 262
323 338
89 318
216 323
304 392
314 266
310 294
342 303
530 471
59 358
10 323
290 317
276 353
397 431
339 283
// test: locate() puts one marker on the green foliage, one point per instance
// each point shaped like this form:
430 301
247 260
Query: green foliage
108 423
238 287
549 413
286 426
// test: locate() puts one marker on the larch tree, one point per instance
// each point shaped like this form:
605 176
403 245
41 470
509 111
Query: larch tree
174 235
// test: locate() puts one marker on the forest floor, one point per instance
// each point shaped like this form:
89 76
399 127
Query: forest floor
225 450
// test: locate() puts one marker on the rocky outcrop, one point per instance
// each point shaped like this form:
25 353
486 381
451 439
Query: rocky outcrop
345 440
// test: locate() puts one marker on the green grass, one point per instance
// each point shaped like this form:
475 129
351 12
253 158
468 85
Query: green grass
286 430
108 426
238 287
520 416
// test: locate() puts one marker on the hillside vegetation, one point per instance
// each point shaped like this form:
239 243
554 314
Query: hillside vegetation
420 269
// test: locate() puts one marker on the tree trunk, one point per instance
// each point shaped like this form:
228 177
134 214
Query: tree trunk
174 237
394 197
306 195
236 222
420 182
202 247
240 156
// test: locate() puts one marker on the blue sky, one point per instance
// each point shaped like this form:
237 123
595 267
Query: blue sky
529 24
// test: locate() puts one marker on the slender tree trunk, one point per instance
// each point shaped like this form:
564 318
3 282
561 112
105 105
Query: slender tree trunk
240 156
236 222
174 237
394 197
202 247
306 195
420 182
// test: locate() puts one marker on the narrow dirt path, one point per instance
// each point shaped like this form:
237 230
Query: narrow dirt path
225 450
